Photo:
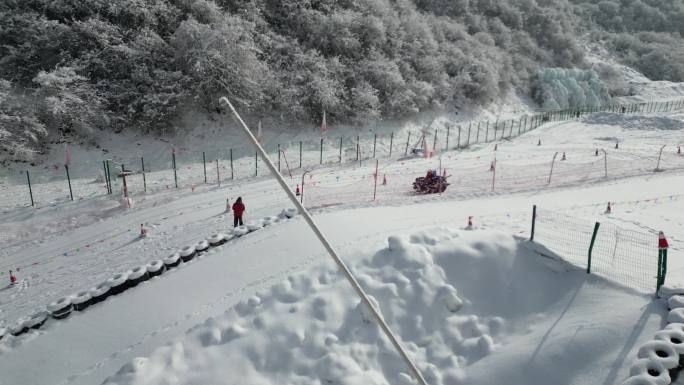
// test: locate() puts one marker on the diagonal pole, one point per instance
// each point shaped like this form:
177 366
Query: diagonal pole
347 273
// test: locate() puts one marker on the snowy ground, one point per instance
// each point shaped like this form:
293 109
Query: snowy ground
531 320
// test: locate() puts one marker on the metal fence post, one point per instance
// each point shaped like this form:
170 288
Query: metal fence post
300 154
487 132
321 158
358 148
204 164
468 140
278 157
391 142
375 140
458 141
232 174
534 221
218 173
104 167
142 162
477 137
591 246
448 127
28 178
256 163
71 194
341 144
407 143
175 175
434 143
109 176
123 175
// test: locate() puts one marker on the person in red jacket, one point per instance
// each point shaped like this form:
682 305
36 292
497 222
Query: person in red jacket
238 209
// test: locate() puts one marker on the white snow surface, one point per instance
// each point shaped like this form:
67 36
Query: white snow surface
520 311
476 307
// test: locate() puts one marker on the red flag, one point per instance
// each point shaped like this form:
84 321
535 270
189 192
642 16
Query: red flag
324 126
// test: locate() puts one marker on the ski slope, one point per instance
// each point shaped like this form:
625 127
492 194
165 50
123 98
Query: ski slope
64 249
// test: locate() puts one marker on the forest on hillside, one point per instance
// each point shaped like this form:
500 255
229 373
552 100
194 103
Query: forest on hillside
73 67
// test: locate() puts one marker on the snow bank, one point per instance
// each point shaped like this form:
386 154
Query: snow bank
455 299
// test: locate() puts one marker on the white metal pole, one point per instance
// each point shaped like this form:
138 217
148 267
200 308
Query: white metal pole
376 312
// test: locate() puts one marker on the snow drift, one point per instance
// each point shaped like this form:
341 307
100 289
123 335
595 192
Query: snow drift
470 307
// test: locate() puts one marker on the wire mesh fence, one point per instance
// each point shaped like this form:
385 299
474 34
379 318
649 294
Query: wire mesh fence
625 256
186 168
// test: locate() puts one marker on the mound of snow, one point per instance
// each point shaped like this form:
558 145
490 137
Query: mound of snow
470 307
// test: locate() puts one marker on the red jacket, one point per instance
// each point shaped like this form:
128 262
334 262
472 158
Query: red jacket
662 243
238 209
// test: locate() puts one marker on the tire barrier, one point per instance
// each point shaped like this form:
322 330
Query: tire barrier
156 268
137 275
653 372
172 261
82 300
187 253
240 231
676 315
675 302
254 226
62 307
99 293
660 360
216 239
201 246
36 320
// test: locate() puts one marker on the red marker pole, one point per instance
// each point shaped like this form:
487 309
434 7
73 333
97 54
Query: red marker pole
662 259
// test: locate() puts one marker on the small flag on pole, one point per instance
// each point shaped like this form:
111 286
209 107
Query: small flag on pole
259 133
67 152
324 126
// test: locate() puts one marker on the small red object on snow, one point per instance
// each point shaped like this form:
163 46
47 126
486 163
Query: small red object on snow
384 179
143 231
563 158
679 149
662 241
470 221
608 209
297 192
13 278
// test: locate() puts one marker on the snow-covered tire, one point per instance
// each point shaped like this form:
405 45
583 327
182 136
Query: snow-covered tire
228 237
137 275
118 283
37 319
18 328
60 308
216 239
187 253
81 300
675 326
156 268
642 379
99 293
676 315
675 302
240 231
3 333
254 226
172 260
201 246
651 370
660 351
289 213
